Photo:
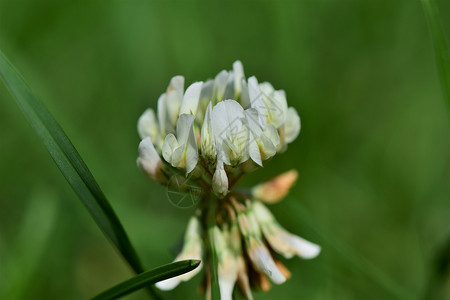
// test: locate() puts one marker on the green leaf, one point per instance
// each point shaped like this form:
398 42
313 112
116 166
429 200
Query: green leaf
69 162
148 277
440 45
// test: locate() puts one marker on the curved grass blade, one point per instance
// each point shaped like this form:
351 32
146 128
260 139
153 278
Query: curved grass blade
69 162
148 277
440 45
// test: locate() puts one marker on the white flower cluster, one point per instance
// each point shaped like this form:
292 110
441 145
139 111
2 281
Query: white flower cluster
216 131
227 121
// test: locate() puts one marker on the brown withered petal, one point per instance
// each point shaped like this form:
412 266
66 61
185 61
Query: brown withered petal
277 188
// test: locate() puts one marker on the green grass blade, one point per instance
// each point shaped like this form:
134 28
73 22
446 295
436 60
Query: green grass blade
68 161
440 45
148 277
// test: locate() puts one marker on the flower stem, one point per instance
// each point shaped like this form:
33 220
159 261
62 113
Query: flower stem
211 222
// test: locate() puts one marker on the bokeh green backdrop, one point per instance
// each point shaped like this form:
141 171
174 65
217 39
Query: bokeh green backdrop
373 155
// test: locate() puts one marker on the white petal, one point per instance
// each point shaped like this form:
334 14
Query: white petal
278 109
226 287
190 100
206 96
276 104
238 71
208 140
191 152
255 131
245 97
169 146
192 249
259 255
272 134
229 87
168 284
147 125
163 116
186 155
220 83
253 150
282 241
254 121
256 99
269 142
184 125
263 262
227 116
148 159
304 248
174 96
292 126
230 131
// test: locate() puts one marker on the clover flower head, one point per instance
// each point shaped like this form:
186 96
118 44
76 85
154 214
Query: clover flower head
211 134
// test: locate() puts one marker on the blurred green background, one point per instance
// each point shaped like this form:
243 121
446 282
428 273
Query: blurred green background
373 155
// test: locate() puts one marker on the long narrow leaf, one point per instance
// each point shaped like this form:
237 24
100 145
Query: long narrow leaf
148 277
440 45
69 162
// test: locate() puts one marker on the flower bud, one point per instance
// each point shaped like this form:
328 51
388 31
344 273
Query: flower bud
238 72
220 181
275 189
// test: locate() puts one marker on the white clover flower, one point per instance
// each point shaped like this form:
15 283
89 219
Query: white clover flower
200 142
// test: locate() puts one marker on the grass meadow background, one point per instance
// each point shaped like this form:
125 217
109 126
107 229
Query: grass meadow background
373 155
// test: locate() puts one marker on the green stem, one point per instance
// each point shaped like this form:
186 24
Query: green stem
211 222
